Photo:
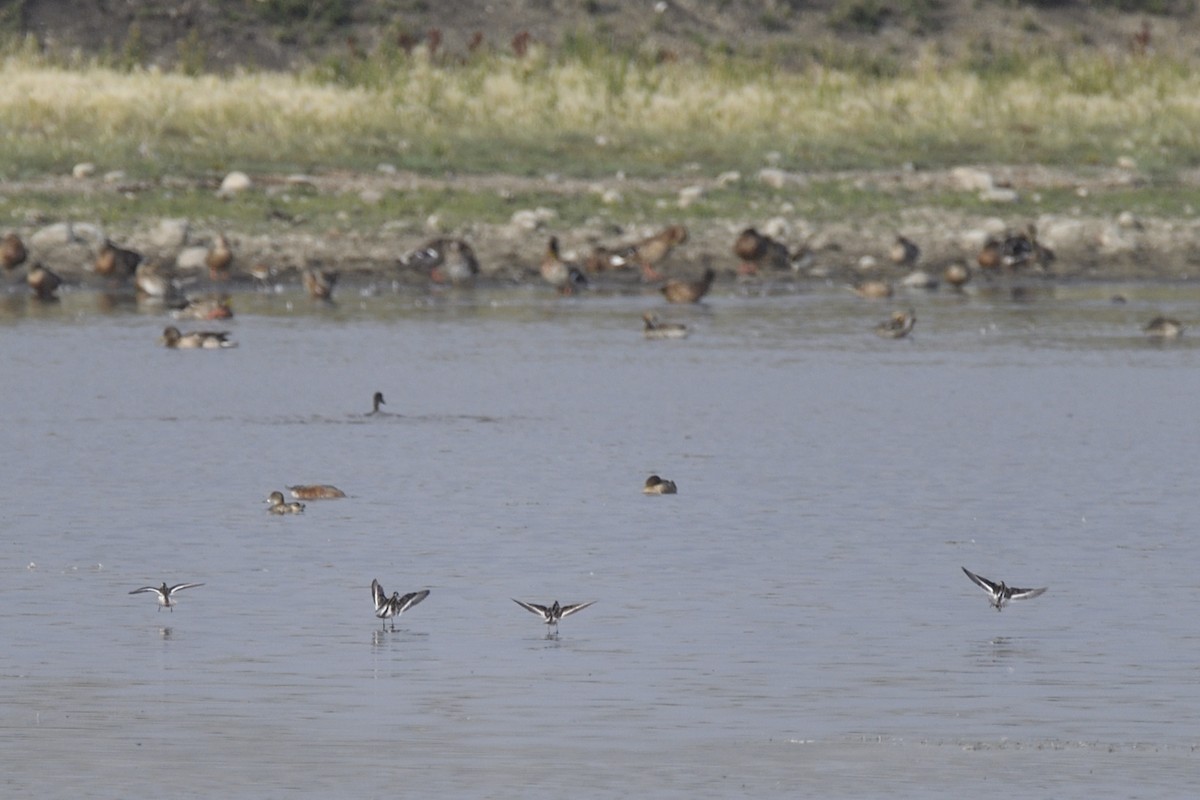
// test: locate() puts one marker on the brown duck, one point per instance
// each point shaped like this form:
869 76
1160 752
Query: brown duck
319 283
43 282
562 275
650 252
116 262
759 251
677 291
12 252
219 259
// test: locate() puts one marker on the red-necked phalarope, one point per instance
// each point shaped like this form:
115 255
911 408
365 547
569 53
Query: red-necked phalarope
166 593
1000 593
391 607
553 613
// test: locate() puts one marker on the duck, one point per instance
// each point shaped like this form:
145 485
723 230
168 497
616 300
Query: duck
957 275
897 326
873 289
656 485
316 492
1023 249
151 280
655 329
377 401
562 275
991 255
43 282
904 252
12 252
195 340
448 260
219 259
1163 328
650 252
205 308
277 505
319 283
759 250
677 291
116 262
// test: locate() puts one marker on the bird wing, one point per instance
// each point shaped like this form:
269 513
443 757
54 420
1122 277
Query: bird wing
569 610
533 608
179 587
1025 594
377 593
409 600
145 589
982 583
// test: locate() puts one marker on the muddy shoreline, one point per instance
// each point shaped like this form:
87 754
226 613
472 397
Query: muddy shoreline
1089 246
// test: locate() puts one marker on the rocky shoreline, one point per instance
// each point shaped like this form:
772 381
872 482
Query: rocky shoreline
1089 246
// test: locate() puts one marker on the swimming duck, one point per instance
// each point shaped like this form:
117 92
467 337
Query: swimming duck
219 259
957 275
43 282
677 291
205 308
277 505
904 252
116 262
563 276
655 329
897 326
195 340
872 289
316 492
759 250
650 252
319 283
1163 328
447 260
657 485
12 252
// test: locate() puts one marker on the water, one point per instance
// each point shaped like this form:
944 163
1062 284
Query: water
795 620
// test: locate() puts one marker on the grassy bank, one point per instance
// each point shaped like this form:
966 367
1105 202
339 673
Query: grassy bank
592 114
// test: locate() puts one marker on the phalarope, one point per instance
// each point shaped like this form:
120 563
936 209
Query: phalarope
165 593
1000 593
553 613
392 607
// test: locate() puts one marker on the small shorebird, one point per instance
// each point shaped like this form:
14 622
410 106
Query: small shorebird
553 613
12 252
316 492
43 282
562 275
166 593
377 401
1000 593
1163 328
279 506
898 325
677 291
656 329
657 485
391 607
195 340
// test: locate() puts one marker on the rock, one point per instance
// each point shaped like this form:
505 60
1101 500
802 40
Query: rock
171 234
970 179
234 183
1115 241
371 197
775 178
192 258
611 197
919 279
56 235
82 170
115 176
867 263
689 195
728 178
1127 220
532 219
1126 162
999 194
777 228
1062 233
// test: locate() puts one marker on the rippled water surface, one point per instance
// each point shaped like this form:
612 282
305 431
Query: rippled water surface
793 623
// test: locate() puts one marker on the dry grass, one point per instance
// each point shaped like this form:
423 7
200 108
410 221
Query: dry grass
599 114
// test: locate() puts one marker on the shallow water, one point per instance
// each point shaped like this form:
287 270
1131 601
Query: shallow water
793 621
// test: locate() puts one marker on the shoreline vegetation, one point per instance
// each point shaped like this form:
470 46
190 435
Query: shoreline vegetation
1100 149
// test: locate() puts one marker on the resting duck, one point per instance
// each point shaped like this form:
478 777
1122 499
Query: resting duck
957 275
195 340
757 250
43 282
205 308
1015 251
151 280
650 252
563 276
12 252
319 283
316 492
116 262
677 291
904 252
657 485
897 326
872 289
1163 328
447 260
219 259
654 329
277 505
